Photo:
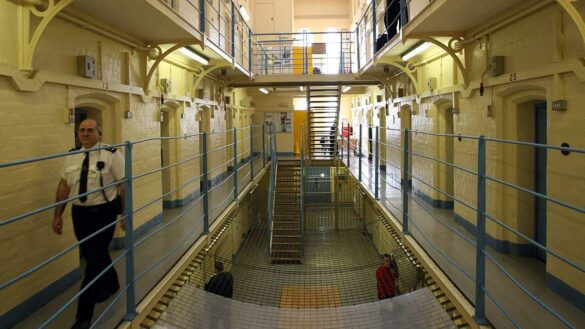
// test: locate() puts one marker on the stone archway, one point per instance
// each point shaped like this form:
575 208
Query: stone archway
519 165
444 147
169 152
105 109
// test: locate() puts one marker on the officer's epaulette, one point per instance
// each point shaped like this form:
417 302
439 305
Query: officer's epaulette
75 149
112 149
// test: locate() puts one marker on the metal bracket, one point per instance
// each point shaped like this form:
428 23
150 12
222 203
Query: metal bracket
158 56
572 11
204 73
33 20
451 48
409 69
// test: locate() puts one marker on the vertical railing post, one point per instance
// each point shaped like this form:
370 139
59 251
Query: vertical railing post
357 42
251 153
249 49
202 15
302 196
377 162
270 139
263 145
235 163
205 184
360 155
305 53
405 173
403 14
233 26
219 26
341 144
373 28
129 238
480 245
348 143
340 52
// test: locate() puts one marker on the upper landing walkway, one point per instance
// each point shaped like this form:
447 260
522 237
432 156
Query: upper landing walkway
304 80
382 43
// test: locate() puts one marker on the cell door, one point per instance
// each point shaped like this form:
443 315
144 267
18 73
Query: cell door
540 164
264 18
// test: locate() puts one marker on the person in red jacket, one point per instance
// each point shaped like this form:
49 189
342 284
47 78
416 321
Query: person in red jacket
386 276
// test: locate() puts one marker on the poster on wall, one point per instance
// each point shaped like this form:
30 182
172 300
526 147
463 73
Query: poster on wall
282 121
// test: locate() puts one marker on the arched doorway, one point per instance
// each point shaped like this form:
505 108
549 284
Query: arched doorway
381 114
531 126
444 152
204 116
104 109
169 153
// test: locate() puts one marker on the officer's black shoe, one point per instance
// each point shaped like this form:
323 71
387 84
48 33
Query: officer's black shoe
107 293
81 325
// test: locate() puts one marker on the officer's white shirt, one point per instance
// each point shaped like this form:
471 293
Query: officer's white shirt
113 171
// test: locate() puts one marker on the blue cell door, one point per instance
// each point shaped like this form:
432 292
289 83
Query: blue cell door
540 176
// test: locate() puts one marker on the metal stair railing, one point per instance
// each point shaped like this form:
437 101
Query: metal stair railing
302 196
272 185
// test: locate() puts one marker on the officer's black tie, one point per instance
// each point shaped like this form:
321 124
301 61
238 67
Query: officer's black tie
83 177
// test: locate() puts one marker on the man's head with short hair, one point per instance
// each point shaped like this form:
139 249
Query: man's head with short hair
89 133
387 258
218 266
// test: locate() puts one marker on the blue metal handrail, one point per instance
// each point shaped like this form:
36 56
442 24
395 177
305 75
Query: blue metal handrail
131 241
302 178
272 185
481 290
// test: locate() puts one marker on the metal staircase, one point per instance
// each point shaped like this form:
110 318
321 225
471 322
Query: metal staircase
323 103
286 245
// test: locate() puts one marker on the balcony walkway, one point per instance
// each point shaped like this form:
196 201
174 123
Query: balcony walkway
428 226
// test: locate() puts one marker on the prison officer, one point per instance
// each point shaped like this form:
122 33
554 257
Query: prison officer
81 173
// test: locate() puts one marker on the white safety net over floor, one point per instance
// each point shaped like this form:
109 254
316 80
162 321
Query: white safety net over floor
195 308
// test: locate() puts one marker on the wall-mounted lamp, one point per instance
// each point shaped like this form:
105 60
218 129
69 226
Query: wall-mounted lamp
302 88
244 13
193 55
346 89
264 90
415 51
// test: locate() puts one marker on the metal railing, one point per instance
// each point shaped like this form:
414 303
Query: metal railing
401 146
337 52
272 185
303 53
302 196
203 197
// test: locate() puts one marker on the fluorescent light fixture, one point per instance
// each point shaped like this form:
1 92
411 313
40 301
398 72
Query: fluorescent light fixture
417 50
300 103
264 90
193 55
302 88
346 89
244 13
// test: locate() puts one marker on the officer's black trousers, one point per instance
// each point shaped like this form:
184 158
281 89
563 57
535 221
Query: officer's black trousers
87 220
